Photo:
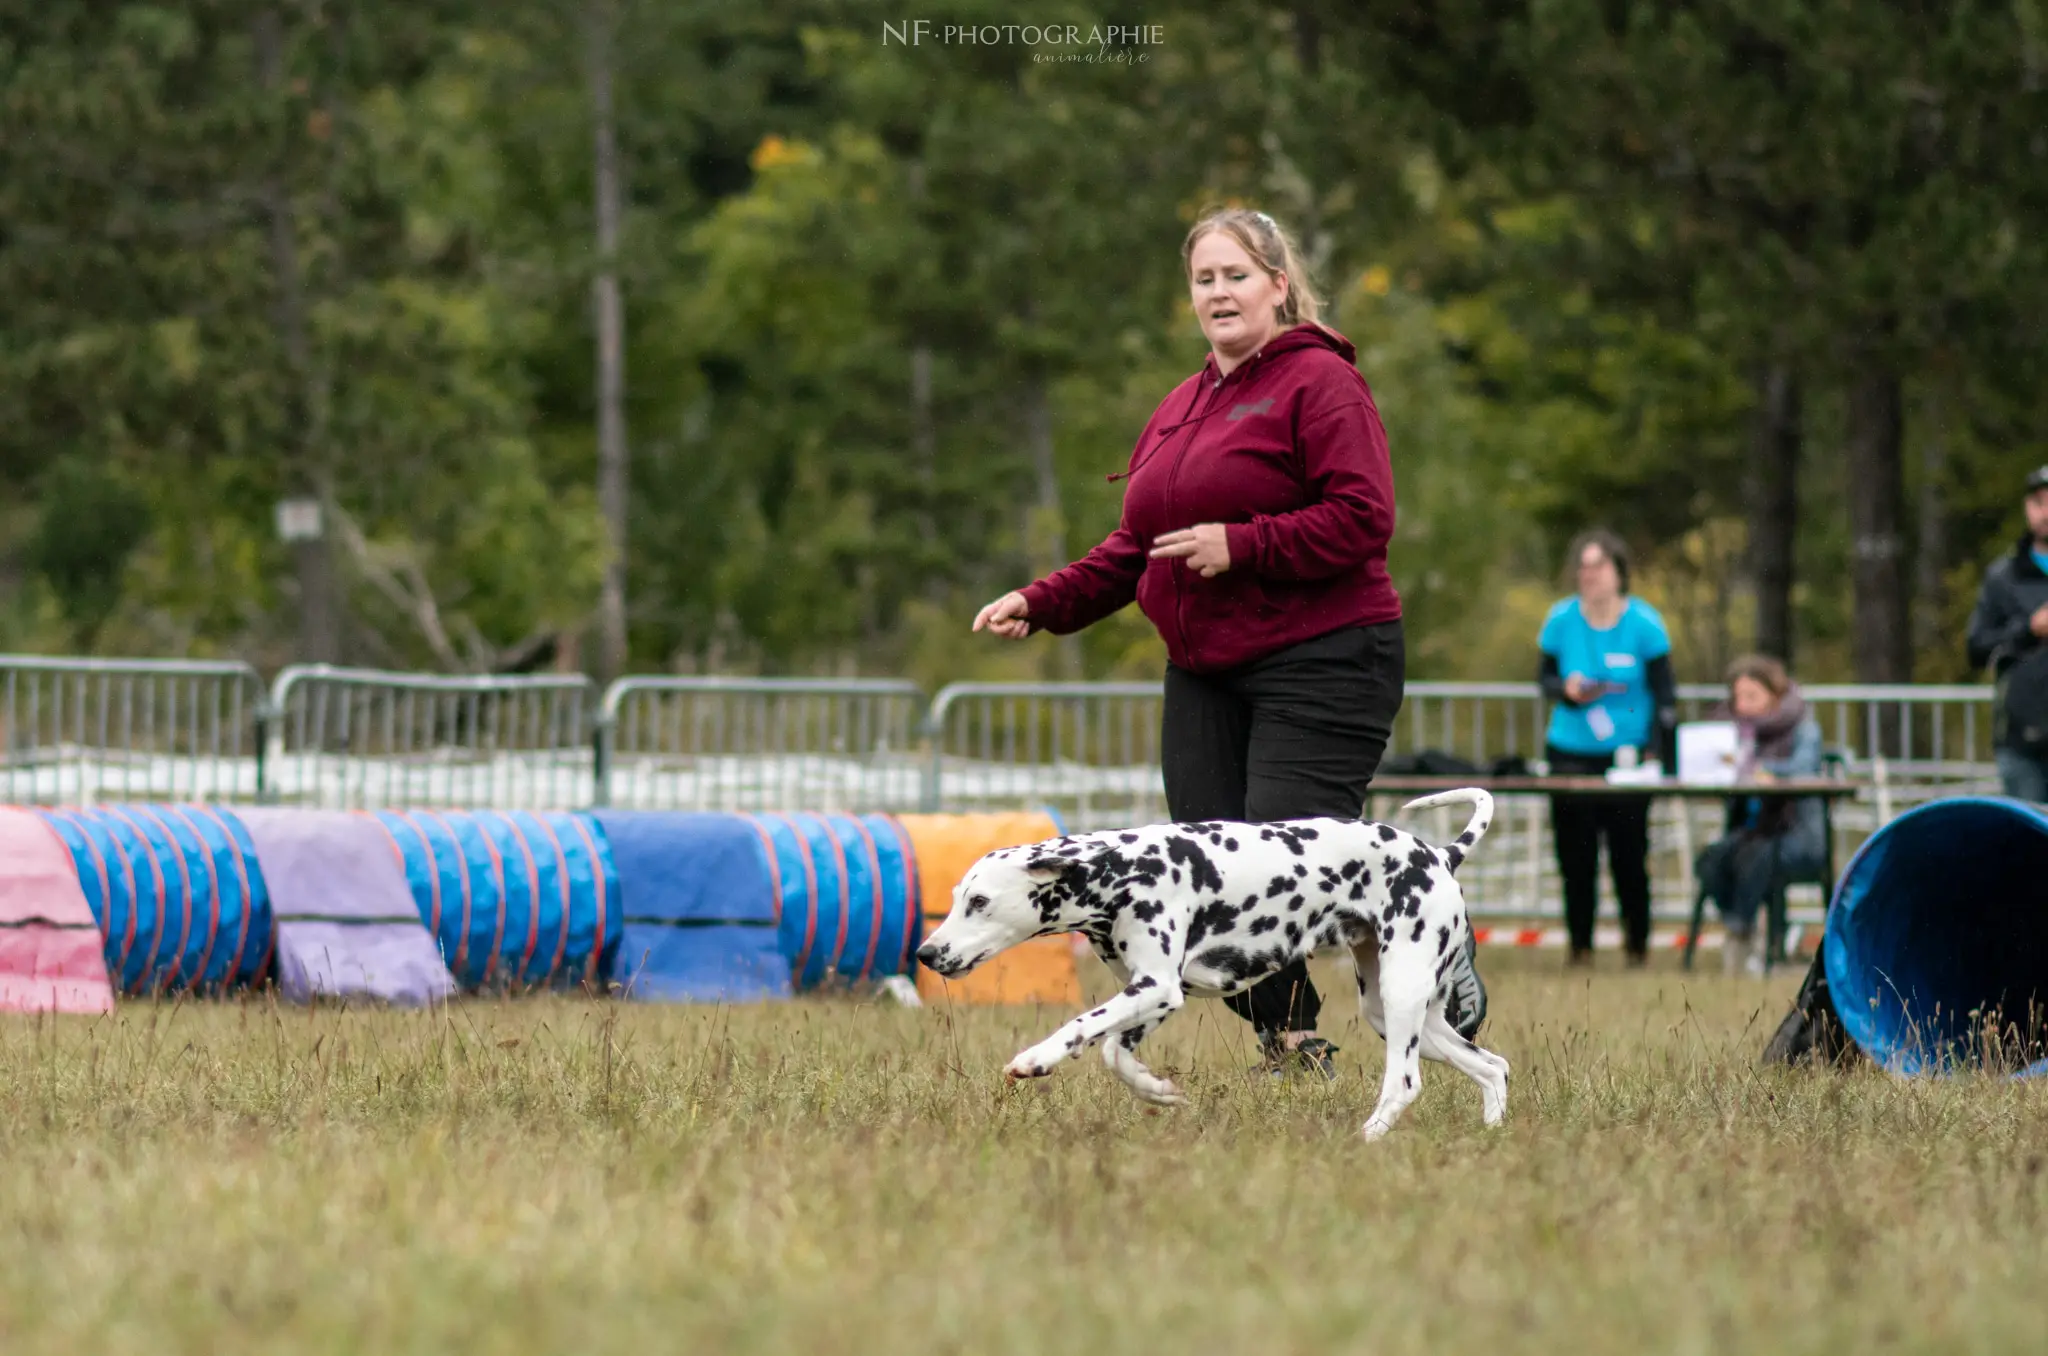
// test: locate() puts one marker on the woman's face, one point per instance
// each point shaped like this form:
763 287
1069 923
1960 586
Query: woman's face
1234 298
1751 699
1599 581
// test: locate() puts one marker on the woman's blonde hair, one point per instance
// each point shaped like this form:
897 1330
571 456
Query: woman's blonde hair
1270 247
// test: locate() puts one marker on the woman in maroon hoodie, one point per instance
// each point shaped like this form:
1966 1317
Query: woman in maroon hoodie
1254 536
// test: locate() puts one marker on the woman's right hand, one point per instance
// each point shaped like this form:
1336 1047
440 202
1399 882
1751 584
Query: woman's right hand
1005 617
1577 689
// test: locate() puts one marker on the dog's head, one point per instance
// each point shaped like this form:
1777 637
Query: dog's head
1010 895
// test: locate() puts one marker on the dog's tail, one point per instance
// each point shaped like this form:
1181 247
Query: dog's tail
1475 828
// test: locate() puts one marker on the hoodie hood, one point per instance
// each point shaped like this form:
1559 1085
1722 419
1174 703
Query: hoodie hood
1308 334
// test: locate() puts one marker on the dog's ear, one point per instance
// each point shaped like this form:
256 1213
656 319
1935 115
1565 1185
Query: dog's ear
1063 856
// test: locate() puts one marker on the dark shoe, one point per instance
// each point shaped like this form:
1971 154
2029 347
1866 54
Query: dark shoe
1581 958
1637 960
1465 993
1312 1056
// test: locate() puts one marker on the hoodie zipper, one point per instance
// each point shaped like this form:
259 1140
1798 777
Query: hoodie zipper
1180 597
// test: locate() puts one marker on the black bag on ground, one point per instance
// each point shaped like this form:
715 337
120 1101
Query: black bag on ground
2023 691
1812 1032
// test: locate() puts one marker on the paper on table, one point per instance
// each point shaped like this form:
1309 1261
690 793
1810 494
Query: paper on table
1707 752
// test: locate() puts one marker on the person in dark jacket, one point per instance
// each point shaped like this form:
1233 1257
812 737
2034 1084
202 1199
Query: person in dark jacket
1606 668
2009 624
1259 504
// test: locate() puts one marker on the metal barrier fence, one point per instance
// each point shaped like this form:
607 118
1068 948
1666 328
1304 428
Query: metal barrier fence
364 739
761 744
74 730
1090 751
78 730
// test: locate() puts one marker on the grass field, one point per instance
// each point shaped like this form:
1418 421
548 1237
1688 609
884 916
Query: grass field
827 1176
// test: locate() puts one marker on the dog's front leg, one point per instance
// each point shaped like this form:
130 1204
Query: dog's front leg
1146 999
1119 1052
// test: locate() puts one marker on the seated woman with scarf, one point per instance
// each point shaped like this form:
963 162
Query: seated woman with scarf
1767 842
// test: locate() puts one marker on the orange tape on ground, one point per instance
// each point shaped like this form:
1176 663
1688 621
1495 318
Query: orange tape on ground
1038 971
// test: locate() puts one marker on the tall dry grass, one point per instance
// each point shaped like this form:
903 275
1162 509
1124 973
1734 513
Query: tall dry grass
834 1176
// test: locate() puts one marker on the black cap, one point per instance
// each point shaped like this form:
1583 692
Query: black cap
2037 479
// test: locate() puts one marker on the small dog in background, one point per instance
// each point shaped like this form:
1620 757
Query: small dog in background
1206 910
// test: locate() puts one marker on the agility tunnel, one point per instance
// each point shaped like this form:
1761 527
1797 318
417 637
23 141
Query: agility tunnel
411 907
513 900
51 957
1940 922
179 901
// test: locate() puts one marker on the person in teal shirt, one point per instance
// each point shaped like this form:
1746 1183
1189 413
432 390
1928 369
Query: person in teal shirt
1606 668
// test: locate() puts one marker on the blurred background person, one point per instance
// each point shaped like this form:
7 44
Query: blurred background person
2006 632
1766 843
1606 668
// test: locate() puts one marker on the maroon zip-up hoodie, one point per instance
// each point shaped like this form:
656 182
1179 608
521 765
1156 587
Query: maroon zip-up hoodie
1287 451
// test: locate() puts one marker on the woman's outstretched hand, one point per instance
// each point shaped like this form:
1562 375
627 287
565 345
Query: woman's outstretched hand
1205 548
1005 617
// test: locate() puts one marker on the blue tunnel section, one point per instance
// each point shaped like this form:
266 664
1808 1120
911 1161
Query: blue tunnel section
177 892
1940 920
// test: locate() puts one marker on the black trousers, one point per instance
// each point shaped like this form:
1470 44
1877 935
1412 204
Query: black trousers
1296 735
1577 824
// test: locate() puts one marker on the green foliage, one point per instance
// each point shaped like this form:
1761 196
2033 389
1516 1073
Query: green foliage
1560 236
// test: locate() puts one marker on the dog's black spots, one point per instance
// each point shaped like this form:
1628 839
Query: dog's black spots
1443 939
1211 919
1408 1080
1127 838
1202 873
1230 962
1293 934
1123 947
1300 871
1230 845
1263 924
1175 875
1140 985
1407 886
1294 904
1098 1012
1145 910
1413 1043
1388 833
1129 1039
1351 868
1420 925
1278 886
1467 838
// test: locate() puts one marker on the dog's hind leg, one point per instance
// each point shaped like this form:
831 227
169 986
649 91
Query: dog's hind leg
1404 991
1441 1041
1365 963
1119 1053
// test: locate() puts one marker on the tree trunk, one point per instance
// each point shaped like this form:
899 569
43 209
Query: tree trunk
313 561
1045 530
612 465
1773 494
1882 643
1930 555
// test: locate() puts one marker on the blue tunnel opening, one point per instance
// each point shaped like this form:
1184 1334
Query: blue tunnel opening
1940 921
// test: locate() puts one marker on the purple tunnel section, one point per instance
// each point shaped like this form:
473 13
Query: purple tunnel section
347 926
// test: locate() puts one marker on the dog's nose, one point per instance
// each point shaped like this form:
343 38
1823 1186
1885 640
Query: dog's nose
928 955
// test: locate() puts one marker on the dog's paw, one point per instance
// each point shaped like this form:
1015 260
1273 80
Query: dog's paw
1161 1094
1026 1065
1375 1129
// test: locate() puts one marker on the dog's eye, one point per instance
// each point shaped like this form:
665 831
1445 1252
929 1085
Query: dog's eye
976 903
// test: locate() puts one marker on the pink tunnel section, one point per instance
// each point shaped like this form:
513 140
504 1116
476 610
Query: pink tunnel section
51 954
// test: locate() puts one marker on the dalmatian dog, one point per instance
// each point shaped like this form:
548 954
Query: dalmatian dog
1207 909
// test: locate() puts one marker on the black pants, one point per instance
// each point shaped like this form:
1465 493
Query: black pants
1577 824
1296 735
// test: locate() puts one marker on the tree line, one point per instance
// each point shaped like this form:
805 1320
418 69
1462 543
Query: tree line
619 334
